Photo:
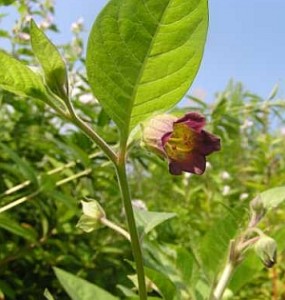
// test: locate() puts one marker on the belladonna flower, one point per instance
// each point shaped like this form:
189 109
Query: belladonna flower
183 142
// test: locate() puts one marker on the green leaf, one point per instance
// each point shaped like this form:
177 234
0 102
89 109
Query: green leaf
24 167
142 56
80 289
51 61
127 292
273 197
17 78
215 244
163 283
202 290
7 290
12 226
48 295
4 33
148 220
7 2
184 263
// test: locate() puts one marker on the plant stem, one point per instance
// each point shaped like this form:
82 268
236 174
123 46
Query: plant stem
116 228
224 280
136 247
30 196
94 137
119 162
18 201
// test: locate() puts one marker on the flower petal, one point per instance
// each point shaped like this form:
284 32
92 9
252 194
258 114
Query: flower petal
179 143
154 131
195 163
208 143
193 120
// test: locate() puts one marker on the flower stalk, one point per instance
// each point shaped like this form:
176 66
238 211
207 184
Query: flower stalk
116 228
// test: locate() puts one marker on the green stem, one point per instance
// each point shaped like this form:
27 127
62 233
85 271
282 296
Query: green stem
120 165
224 281
135 242
72 117
116 228
91 134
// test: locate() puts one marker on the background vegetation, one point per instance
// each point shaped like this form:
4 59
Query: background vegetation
47 166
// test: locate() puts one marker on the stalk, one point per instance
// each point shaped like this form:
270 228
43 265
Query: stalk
135 242
119 162
116 228
224 281
93 135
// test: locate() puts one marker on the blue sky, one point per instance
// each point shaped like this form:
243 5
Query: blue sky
246 42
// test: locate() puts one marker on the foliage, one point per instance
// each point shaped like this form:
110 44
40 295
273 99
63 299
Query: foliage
48 166
152 66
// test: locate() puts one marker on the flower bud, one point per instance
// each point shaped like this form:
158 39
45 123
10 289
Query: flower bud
92 215
257 211
266 249
257 205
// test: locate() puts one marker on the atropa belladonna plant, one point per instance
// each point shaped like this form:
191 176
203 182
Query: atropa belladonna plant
142 57
133 72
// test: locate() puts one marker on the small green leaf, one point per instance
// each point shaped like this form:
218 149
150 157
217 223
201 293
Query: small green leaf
163 283
274 92
142 56
184 263
202 290
17 78
7 290
24 167
12 226
48 295
7 2
127 292
148 220
80 289
273 197
4 33
51 61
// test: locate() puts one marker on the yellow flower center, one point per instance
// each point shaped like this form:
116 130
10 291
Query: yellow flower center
180 143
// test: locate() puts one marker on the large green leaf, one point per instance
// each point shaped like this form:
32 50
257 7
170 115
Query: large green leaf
215 244
17 78
143 55
80 289
51 61
273 197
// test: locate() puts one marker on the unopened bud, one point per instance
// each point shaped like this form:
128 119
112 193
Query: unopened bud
266 249
92 215
257 211
257 205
